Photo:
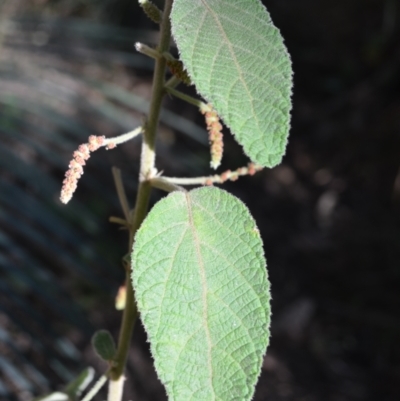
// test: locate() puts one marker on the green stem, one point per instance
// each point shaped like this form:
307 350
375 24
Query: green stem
148 154
147 50
147 167
173 82
186 98
160 183
123 200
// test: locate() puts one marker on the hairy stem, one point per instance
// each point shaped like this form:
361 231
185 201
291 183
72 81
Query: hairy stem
148 154
147 167
228 175
116 389
147 50
160 183
173 82
186 98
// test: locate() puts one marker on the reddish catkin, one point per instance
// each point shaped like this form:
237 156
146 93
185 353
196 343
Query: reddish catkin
111 145
216 139
229 175
75 170
252 169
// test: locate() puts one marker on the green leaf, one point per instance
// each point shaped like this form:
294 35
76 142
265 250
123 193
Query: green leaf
237 59
202 290
104 345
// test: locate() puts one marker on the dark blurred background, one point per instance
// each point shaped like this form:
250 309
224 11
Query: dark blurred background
329 214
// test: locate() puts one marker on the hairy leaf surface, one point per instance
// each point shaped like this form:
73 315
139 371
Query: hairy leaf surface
236 58
201 285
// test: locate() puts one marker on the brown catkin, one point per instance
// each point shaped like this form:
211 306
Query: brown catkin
215 136
176 67
75 171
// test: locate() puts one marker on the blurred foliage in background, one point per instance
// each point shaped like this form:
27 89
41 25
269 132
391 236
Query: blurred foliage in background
329 215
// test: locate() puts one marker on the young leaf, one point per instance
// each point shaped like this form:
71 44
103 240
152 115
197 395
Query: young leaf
104 345
236 58
201 286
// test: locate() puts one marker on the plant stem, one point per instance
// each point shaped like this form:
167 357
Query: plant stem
116 172
186 98
173 82
228 175
116 389
148 154
147 167
122 138
165 185
128 322
147 50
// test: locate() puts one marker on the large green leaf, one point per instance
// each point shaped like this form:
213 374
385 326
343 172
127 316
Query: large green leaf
236 58
203 294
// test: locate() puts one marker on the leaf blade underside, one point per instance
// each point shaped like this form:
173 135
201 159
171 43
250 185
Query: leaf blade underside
238 62
204 298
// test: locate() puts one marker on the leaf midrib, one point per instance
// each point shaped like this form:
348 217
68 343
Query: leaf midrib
228 43
204 287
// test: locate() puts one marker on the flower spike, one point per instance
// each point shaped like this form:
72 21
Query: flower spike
216 139
80 156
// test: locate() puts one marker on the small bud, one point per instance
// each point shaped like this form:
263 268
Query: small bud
120 299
